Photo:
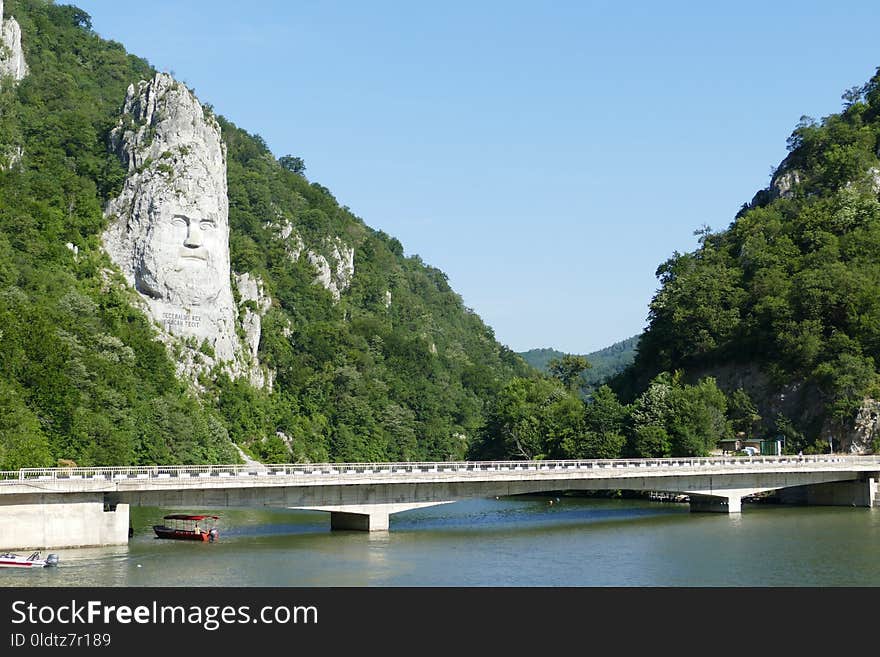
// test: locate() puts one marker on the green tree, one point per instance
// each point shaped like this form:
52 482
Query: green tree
651 441
531 418
293 164
698 418
568 369
743 414
22 443
604 422
692 417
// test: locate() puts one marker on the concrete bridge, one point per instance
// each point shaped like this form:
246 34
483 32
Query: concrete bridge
64 507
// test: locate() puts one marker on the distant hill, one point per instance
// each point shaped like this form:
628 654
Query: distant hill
605 362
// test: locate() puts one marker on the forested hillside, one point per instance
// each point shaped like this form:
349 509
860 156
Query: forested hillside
604 363
395 368
785 302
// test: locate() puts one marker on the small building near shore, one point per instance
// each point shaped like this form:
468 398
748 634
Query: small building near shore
762 446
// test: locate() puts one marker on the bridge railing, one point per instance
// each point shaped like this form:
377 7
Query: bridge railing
160 472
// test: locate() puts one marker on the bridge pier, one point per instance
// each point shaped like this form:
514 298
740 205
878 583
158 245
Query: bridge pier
716 503
44 521
362 522
368 517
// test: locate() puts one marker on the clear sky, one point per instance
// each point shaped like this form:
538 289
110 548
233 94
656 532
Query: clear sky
547 156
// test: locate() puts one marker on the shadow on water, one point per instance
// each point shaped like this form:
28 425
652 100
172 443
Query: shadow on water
526 513
520 513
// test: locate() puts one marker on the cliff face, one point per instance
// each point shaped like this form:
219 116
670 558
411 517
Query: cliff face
253 305
12 65
333 261
12 61
169 227
800 400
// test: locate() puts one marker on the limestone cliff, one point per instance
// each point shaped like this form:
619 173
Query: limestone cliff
169 227
253 304
858 436
12 61
336 268
333 259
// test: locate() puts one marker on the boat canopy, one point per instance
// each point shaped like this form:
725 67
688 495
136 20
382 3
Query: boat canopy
180 516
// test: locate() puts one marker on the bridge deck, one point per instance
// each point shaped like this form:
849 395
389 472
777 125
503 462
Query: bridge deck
56 507
234 476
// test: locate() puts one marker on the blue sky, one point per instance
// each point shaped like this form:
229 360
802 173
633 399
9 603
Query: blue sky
547 156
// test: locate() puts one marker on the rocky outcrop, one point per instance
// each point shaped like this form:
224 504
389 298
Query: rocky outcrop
11 158
333 261
293 243
786 180
12 61
857 437
253 304
784 184
169 227
874 177
799 401
334 270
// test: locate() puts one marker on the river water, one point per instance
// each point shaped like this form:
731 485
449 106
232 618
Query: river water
516 541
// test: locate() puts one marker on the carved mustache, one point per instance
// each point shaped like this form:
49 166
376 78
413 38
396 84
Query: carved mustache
194 254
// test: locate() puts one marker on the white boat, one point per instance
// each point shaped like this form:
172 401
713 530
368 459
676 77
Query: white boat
10 560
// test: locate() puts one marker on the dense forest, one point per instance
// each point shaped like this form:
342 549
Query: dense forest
82 375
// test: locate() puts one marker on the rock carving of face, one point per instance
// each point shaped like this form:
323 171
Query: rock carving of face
184 259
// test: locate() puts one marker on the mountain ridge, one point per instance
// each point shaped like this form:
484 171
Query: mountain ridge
605 363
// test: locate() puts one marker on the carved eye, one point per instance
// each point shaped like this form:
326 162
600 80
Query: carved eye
179 221
208 224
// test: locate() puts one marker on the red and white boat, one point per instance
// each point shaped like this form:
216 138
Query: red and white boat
10 560
184 527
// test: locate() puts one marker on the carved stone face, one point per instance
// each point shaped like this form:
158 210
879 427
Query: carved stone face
169 226
184 255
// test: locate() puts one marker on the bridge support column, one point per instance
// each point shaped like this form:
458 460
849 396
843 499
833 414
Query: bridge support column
363 522
368 517
716 504
44 521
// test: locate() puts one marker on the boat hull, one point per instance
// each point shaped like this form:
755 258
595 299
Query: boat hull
10 560
6 563
179 534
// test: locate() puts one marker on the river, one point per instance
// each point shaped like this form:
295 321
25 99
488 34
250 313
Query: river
516 541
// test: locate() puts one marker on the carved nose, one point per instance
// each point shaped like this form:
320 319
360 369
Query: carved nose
193 236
